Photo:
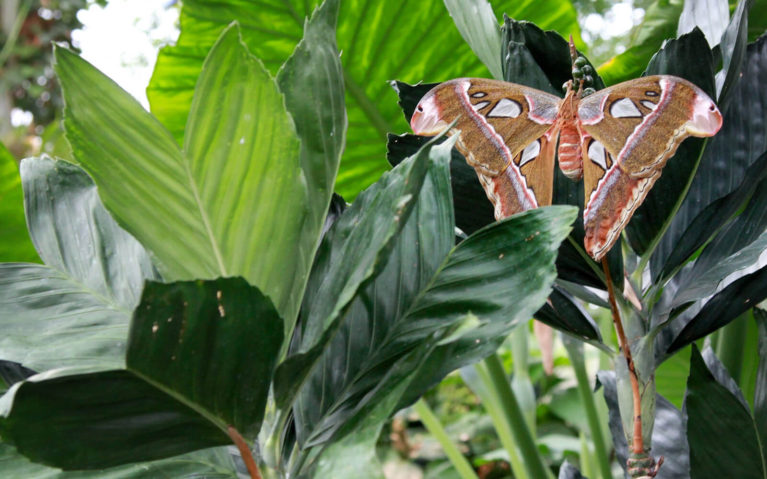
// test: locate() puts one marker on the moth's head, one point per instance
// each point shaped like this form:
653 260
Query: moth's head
426 119
706 118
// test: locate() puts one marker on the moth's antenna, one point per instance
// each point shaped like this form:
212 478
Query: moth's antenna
573 53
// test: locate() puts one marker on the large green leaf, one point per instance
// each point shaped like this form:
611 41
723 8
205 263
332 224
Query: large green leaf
200 358
354 248
215 463
14 239
377 331
724 440
235 192
75 309
414 41
502 274
659 23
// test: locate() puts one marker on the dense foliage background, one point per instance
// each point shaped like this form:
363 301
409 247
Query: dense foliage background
190 269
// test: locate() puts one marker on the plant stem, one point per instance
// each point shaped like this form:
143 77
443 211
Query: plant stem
515 418
434 426
637 446
247 456
729 344
492 404
575 351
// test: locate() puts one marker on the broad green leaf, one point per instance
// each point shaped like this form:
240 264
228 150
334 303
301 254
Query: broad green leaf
502 274
479 27
377 332
659 23
215 463
380 41
354 248
200 358
668 435
14 239
724 441
711 16
688 57
75 309
671 377
236 191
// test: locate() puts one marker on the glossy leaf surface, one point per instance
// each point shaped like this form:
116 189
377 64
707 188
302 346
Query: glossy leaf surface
83 296
200 358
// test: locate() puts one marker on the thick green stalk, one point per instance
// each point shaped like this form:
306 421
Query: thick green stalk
515 418
575 351
492 404
434 426
729 344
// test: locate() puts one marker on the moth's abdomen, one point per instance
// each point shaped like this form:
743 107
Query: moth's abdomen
570 161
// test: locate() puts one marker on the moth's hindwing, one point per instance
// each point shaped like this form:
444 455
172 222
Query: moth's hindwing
502 130
630 131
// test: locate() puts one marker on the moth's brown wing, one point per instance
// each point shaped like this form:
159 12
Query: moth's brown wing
503 129
629 132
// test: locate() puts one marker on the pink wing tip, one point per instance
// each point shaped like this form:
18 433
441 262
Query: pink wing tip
425 120
706 118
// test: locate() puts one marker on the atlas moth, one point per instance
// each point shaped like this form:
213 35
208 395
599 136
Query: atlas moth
617 139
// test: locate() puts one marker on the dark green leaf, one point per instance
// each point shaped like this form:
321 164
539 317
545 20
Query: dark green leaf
501 274
668 437
733 49
215 463
760 392
410 95
214 343
688 57
563 312
355 247
376 331
734 251
98 420
659 23
716 214
11 372
14 239
739 296
200 358
722 376
83 297
472 208
720 430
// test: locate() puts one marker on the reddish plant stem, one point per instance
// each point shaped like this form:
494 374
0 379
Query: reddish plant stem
247 456
637 446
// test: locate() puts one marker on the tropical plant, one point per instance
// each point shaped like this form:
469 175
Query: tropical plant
202 286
